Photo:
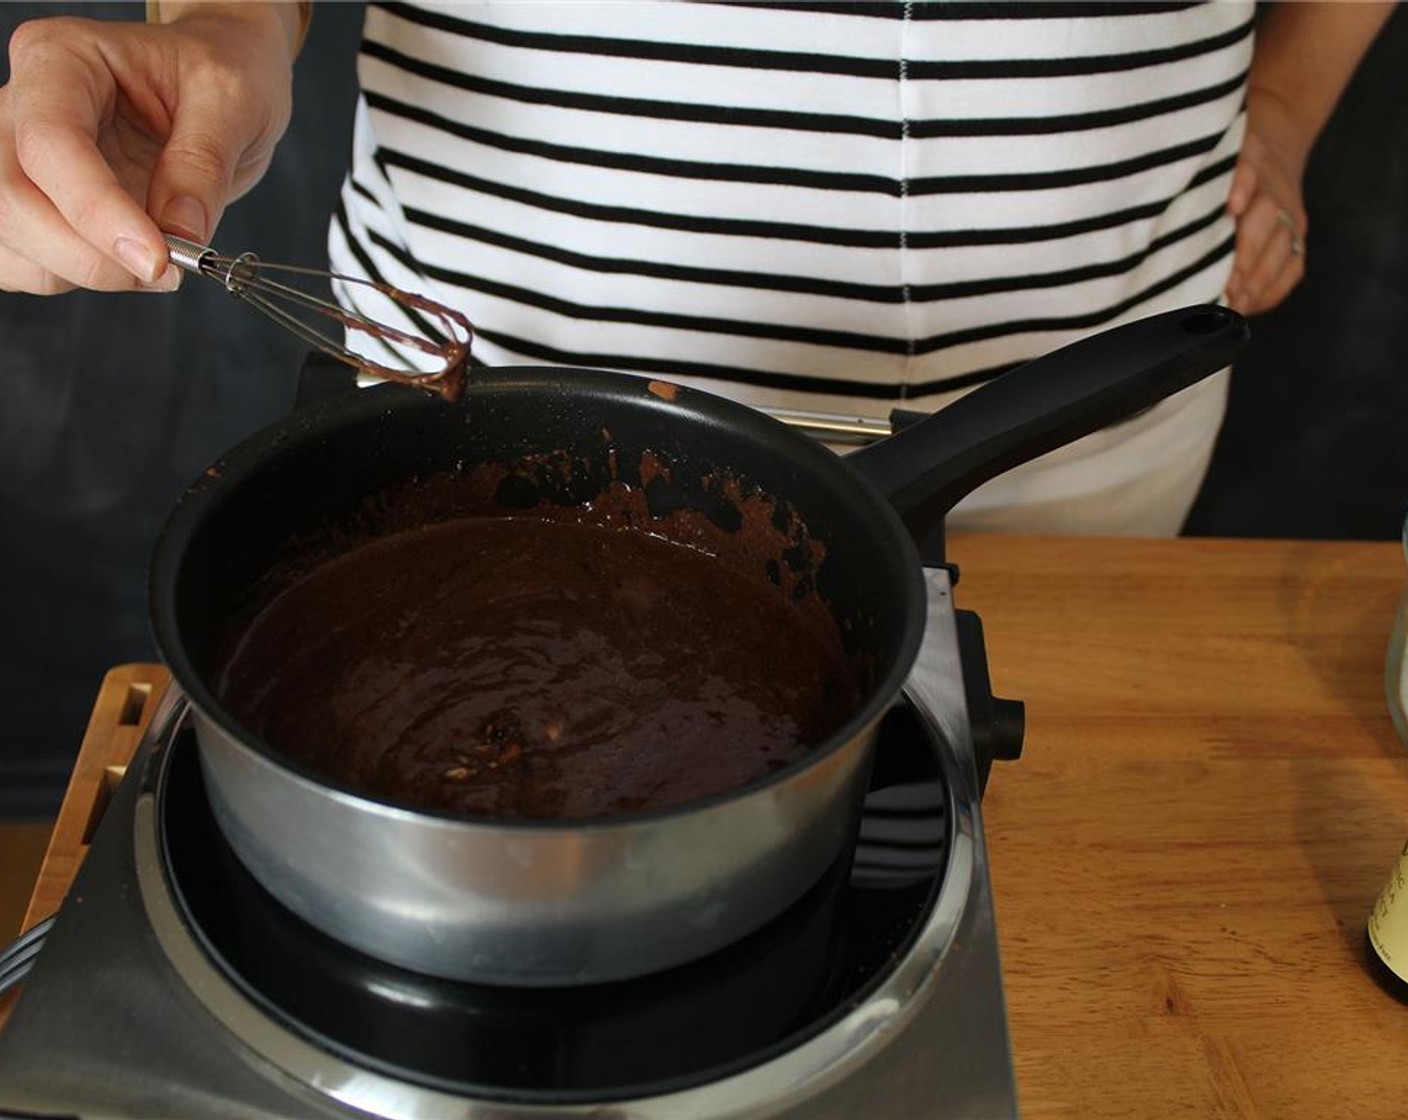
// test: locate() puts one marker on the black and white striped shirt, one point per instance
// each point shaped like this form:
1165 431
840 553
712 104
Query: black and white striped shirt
832 206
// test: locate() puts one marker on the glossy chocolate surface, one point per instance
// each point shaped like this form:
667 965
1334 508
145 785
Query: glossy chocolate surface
530 666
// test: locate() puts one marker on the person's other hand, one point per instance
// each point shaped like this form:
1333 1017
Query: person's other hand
1266 201
111 133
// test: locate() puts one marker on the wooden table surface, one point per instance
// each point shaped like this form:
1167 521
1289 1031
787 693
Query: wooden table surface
1211 796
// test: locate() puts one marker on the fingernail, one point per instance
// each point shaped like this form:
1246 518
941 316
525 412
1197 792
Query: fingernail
140 261
186 216
168 281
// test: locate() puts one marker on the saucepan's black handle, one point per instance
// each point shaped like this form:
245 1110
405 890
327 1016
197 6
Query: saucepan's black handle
926 468
906 418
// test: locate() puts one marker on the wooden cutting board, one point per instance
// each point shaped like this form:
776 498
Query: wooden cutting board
126 700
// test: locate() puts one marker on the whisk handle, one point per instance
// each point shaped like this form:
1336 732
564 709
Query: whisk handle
186 254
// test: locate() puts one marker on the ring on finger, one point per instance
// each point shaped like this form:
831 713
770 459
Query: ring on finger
1297 242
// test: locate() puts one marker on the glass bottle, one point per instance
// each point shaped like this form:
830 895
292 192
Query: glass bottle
1388 931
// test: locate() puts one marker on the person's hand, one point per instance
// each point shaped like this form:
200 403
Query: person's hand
111 133
1265 199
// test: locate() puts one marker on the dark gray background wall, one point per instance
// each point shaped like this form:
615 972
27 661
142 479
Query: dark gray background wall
1314 443
109 405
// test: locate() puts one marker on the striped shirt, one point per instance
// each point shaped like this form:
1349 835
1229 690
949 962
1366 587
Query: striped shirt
832 206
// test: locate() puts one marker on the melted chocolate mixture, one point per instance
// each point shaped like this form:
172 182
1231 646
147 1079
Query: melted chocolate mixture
450 346
515 666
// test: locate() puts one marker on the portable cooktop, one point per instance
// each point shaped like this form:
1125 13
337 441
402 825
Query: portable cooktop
173 985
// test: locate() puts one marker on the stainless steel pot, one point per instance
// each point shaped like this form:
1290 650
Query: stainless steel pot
570 902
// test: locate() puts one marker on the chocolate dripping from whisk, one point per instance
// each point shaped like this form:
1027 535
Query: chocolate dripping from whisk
449 381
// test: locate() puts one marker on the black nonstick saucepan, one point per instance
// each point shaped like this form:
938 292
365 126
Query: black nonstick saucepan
561 902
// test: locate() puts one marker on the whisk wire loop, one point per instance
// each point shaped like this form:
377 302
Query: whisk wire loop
247 277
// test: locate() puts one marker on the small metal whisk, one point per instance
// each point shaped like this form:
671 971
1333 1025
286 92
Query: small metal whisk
444 334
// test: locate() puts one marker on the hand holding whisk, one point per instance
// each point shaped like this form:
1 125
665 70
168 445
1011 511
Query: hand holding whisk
444 334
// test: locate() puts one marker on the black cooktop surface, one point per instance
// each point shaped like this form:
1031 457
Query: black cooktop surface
739 1007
